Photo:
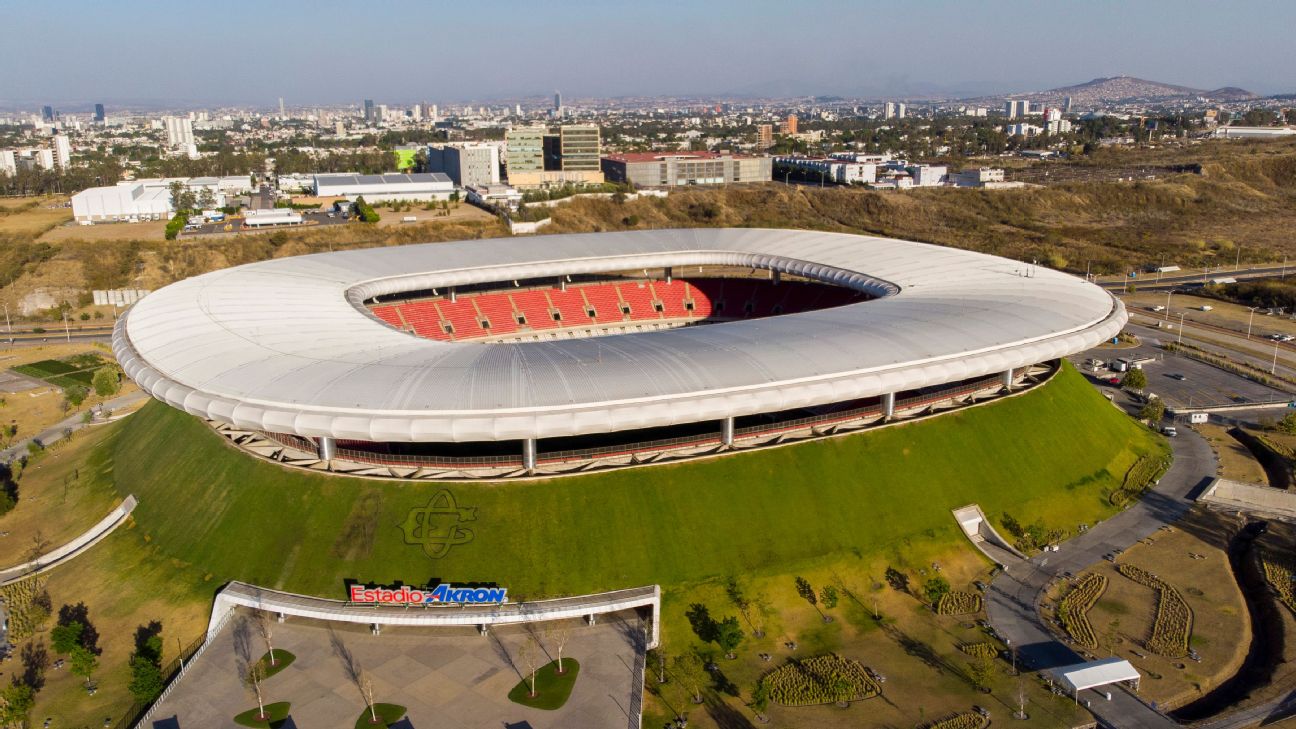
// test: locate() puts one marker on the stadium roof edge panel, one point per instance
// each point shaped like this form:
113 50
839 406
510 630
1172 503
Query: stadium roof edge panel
285 344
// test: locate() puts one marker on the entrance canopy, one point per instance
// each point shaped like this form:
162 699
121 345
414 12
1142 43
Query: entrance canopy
1081 676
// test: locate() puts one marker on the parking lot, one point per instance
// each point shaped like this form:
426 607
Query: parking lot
1201 385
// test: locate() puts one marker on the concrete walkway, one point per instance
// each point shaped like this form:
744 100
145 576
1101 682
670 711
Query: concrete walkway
1012 602
86 540
72 423
447 678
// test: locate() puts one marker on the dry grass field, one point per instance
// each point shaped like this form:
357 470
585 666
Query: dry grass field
1236 462
32 217
153 230
1123 617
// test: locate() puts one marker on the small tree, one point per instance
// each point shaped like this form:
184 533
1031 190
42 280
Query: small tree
366 691
75 395
265 627
828 596
935 588
981 671
84 662
252 679
728 636
691 673
760 699
806 592
16 701
106 381
1153 411
1288 424
1135 379
558 634
527 653
146 682
67 637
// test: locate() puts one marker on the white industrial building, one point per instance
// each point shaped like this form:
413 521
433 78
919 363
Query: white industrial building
378 188
833 169
1253 132
473 164
148 199
271 217
927 175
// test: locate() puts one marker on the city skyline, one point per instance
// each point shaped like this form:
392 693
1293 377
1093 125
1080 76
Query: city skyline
726 49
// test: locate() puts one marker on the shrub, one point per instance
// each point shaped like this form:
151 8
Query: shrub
1279 574
175 225
965 720
955 602
1073 611
28 605
817 681
983 649
365 211
1173 625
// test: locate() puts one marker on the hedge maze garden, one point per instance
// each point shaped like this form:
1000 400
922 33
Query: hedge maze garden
1173 625
1278 573
1073 611
823 679
958 603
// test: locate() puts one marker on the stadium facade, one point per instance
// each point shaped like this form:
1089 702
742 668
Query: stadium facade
543 355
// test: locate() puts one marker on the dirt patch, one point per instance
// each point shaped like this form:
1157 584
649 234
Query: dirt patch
355 541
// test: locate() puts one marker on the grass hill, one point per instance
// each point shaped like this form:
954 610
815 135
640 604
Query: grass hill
1050 455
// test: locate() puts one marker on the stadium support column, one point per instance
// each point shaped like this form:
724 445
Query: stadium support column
327 448
454 296
667 274
888 406
776 276
1008 380
529 454
727 432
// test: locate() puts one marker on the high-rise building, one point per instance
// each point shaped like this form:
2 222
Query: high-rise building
1015 108
179 131
47 113
1066 105
579 147
789 125
369 110
525 149
8 162
764 136
557 103
62 151
339 128
892 110
281 107
99 113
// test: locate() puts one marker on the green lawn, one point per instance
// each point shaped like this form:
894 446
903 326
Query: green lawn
78 369
275 715
387 714
1049 455
552 688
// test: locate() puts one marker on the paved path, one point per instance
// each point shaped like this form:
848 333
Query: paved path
86 540
73 423
1013 598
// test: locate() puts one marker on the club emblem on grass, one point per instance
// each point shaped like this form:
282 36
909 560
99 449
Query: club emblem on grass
438 526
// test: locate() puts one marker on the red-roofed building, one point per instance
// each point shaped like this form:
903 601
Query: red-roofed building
671 169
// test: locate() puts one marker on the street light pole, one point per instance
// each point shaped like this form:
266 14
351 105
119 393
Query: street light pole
1249 319
1238 263
1181 316
1273 369
1167 316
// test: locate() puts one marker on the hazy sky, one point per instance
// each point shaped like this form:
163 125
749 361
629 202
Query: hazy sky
80 51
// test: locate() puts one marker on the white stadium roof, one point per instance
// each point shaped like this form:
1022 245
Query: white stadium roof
286 345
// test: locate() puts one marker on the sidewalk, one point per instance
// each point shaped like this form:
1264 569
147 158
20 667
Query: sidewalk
72 423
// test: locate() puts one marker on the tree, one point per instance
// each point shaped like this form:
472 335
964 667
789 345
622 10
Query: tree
981 671
558 634
760 699
828 596
75 395
1135 379
106 381
252 679
16 701
84 662
691 673
527 654
1288 423
206 199
67 637
806 592
935 588
366 690
146 681
265 627
1153 411
728 635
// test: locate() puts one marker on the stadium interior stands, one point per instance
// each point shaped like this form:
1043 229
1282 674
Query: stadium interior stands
523 312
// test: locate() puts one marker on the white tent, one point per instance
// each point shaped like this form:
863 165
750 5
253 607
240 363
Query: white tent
1081 676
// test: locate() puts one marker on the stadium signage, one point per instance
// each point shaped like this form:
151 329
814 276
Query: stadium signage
435 594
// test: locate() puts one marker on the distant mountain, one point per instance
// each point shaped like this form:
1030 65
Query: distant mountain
1117 89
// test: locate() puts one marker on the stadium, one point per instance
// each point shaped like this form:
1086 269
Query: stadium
568 353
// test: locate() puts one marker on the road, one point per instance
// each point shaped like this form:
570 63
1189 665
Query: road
1012 601
1193 279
